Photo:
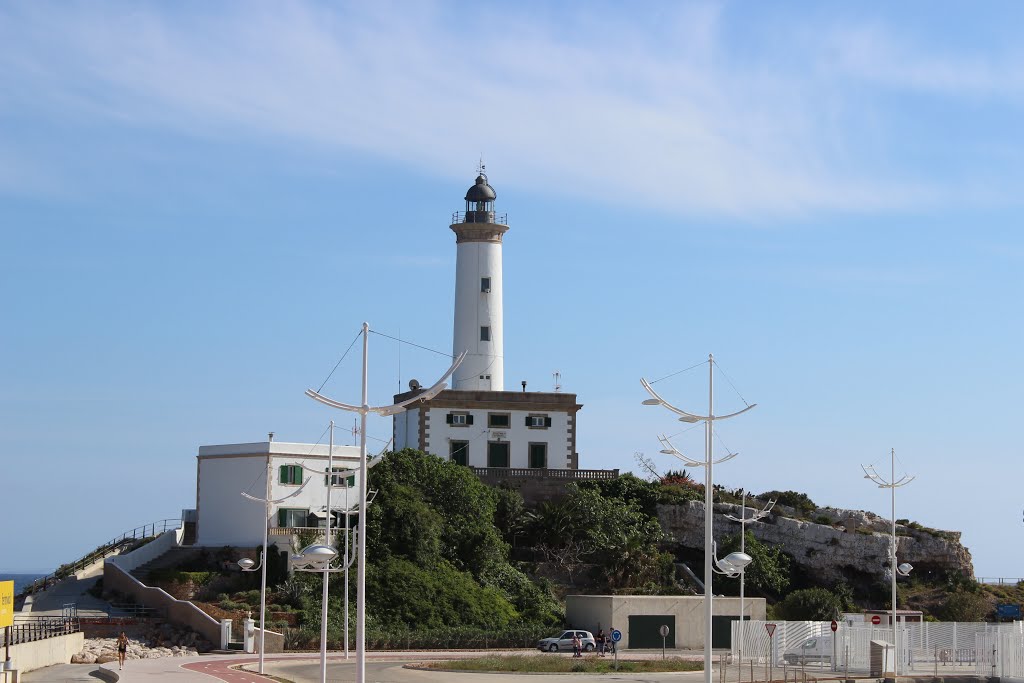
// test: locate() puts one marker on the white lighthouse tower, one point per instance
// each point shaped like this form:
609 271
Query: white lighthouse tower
478 292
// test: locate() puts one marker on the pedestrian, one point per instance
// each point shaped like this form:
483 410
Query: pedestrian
577 645
599 639
122 649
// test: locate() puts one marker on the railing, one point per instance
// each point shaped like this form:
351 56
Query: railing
140 532
543 473
27 629
479 217
1000 581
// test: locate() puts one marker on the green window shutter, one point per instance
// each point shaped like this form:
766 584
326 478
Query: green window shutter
529 421
282 474
469 419
547 421
282 517
352 481
297 474
327 477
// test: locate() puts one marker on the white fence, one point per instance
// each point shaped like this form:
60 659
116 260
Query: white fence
934 648
1001 652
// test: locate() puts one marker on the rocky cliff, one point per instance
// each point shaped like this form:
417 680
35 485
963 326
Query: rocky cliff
838 546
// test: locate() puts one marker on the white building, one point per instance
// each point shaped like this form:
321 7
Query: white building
225 517
477 422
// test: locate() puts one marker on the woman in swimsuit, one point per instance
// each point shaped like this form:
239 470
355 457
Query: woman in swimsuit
122 649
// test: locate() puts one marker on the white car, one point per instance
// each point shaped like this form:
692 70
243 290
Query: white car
564 642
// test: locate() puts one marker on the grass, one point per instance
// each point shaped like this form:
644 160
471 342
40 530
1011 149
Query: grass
553 663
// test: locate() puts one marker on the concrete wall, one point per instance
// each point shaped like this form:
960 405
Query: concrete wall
152 550
181 612
591 612
46 652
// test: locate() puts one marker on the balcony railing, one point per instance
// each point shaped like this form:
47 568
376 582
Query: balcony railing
543 473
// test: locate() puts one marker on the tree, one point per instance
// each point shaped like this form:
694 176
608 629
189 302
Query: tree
460 509
768 573
965 606
810 604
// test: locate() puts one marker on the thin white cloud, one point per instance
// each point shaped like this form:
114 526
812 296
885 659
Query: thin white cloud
876 55
611 114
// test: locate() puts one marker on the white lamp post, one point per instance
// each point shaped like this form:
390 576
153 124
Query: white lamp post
708 464
363 410
902 569
248 565
743 519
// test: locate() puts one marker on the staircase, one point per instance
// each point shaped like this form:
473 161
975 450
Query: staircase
175 557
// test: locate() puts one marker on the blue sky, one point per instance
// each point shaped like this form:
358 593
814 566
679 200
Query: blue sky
200 203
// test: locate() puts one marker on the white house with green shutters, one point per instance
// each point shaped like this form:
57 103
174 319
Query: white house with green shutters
225 517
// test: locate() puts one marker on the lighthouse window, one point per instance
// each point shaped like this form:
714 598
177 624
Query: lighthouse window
485 284
499 420
538 421
459 419
485 333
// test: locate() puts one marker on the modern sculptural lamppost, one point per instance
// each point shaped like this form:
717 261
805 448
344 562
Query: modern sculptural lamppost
708 464
743 519
363 410
902 569
247 564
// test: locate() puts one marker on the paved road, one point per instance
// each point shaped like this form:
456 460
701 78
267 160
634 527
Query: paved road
393 671
305 668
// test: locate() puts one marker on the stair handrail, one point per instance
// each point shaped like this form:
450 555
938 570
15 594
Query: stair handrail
103 550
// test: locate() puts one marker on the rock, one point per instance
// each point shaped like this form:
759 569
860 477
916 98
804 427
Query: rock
83 658
104 658
838 546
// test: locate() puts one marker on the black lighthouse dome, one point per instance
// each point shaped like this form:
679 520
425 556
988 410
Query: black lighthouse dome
480 201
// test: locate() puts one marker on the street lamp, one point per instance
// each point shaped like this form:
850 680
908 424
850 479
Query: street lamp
902 569
247 564
708 464
363 410
743 519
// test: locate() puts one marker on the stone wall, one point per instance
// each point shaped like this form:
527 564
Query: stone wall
854 544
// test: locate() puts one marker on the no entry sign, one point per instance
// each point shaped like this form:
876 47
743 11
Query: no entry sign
876 620
835 625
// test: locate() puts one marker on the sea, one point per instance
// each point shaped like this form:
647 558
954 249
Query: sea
20 580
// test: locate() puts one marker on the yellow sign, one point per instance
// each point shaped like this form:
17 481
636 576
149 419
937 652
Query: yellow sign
6 603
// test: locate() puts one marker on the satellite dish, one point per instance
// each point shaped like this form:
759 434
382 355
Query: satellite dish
414 384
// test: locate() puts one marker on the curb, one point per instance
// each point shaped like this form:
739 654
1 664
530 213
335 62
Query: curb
108 675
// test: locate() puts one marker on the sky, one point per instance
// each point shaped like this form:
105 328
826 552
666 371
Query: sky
200 203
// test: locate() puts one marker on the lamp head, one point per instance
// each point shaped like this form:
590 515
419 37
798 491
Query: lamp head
905 568
246 564
651 402
318 555
738 561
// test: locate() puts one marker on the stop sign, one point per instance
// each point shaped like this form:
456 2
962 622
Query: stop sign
834 626
876 620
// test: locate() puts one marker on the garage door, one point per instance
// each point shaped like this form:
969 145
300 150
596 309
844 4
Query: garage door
721 630
645 630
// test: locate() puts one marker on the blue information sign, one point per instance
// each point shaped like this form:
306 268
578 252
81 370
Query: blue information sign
1004 611
616 635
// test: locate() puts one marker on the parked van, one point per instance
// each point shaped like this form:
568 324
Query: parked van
813 649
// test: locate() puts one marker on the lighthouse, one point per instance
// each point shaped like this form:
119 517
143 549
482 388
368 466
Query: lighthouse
478 423
479 328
